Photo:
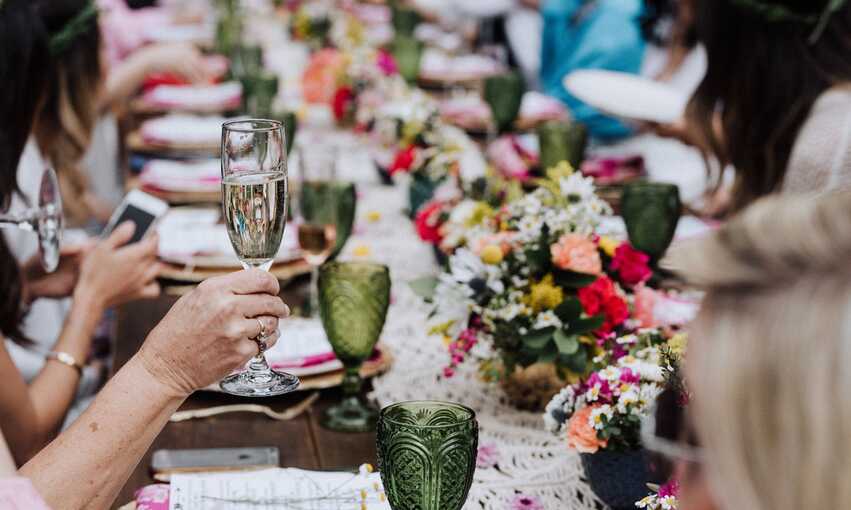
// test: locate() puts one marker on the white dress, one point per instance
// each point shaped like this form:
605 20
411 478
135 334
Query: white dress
43 324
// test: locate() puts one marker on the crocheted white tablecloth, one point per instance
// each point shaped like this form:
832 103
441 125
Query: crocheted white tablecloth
519 458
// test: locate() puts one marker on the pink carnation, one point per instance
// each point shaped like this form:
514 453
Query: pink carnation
577 253
633 266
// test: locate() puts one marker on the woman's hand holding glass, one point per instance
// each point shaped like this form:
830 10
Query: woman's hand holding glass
210 332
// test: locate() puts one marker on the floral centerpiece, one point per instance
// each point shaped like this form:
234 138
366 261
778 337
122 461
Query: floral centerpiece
537 285
664 499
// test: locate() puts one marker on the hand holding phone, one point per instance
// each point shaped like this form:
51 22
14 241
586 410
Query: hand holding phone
142 209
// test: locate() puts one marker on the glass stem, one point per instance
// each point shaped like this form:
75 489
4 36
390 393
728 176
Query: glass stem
352 382
314 291
259 369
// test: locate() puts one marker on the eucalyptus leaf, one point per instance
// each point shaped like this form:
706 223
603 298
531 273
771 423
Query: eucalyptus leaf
567 344
577 362
549 355
569 310
582 326
539 338
424 287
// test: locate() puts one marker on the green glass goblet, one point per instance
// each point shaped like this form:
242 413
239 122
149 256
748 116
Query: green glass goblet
408 53
651 211
258 94
290 121
561 141
504 93
353 302
427 454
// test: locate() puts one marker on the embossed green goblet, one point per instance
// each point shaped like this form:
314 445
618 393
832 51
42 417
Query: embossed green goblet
651 211
504 93
427 454
353 302
561 141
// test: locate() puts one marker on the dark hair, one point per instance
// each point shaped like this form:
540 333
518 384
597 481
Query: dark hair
23 54
763 78
658 23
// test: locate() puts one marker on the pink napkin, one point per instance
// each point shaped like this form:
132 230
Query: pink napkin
18 493
152 497
606 171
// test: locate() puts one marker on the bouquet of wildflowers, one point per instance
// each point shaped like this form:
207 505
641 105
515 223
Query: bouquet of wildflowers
605 410
664 499
536 283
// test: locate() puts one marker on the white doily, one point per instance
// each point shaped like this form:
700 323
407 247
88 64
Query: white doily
527 460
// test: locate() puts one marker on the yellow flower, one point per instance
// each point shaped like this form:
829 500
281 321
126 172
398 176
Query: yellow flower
608 245
446 340
442 329
373 216
678 343
544 295
481 212
361 250
563 169
573 377
491 254
410 131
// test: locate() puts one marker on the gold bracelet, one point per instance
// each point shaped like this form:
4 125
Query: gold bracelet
65 359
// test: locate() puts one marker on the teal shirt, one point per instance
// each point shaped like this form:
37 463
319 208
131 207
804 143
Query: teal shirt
582 34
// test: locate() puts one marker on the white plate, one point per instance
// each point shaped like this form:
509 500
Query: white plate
627 96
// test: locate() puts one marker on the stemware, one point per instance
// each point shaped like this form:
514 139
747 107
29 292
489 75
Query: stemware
45 219
315 209
354 297
408 52
504 93
258 94
427 454
562 141
651 211
254 190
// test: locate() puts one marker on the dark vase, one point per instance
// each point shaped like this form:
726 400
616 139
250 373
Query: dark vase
619 479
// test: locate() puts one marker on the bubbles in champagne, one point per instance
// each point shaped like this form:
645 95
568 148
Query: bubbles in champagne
255 208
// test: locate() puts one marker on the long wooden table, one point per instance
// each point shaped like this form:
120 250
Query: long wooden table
302 441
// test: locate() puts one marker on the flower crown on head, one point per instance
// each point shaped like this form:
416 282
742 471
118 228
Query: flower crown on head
60 41
773 13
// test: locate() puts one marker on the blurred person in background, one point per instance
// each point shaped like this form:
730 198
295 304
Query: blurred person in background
767 358
775 103
653 38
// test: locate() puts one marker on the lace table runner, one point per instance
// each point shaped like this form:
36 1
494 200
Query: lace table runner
521 466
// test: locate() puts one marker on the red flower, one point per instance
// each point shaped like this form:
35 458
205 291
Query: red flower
343 103
404 160
633 266
428 222
601 298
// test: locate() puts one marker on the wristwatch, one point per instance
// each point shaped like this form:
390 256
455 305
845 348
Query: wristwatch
65 359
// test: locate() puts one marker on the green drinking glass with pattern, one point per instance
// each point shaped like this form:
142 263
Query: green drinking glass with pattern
353 302
427 454
504 94
651 211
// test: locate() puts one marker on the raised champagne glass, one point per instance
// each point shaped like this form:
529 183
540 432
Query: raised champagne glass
315 209
45 219
353 297
254 190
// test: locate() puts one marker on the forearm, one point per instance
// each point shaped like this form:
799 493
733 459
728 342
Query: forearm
53 389
88 464
124 79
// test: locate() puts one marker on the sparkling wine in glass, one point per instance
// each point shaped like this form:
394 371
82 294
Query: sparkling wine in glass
315 209
254 190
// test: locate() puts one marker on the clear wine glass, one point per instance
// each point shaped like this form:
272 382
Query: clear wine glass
254 190
315 209
45 219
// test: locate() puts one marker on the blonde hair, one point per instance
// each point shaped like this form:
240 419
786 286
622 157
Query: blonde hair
769 364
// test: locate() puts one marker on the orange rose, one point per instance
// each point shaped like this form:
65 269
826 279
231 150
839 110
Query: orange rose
581 435
576 253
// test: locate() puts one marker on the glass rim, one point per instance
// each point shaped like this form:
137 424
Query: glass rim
471 415
272 125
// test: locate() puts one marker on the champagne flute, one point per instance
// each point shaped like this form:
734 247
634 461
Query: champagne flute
45 219
315 210
254 190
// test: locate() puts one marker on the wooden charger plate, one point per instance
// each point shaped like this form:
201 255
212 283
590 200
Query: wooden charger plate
136 143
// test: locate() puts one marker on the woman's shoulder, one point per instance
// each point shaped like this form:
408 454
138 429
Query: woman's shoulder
821 158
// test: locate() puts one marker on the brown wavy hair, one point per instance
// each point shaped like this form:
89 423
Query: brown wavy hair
65 124
761 81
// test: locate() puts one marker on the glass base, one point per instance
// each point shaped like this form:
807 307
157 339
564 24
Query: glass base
264 384
350 415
